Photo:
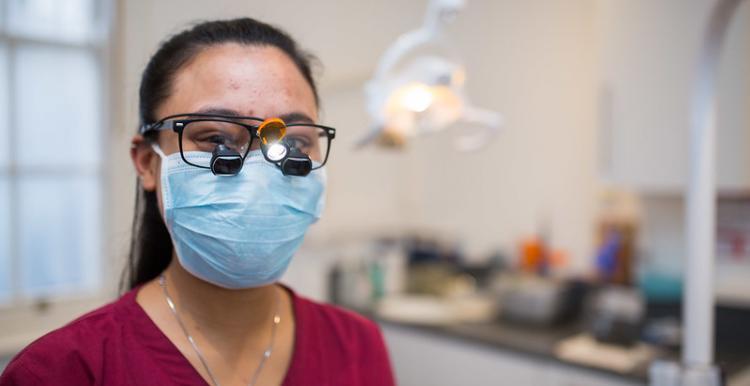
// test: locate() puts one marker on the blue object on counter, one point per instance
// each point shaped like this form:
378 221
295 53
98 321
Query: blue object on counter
606 260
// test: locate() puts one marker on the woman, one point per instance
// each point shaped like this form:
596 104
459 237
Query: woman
230 172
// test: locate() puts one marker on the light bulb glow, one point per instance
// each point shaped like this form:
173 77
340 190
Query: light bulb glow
277 152
416 97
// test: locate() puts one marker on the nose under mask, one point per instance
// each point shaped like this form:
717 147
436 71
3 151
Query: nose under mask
239 231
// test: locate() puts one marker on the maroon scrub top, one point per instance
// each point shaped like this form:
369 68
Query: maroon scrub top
119 344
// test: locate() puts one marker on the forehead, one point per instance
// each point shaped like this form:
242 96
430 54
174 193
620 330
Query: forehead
257 81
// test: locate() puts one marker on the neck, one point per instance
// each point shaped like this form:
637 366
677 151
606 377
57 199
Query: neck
232 312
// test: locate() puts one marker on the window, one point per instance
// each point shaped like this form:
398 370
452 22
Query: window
53 108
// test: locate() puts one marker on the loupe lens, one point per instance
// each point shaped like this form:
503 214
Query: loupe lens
225 161
227 166
296 164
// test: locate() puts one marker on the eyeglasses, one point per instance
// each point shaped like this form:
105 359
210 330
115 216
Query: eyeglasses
204 132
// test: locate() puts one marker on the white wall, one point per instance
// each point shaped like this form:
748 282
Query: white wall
532 60
535 62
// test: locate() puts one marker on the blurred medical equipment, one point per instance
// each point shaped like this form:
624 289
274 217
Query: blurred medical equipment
418 88
616 315
535 301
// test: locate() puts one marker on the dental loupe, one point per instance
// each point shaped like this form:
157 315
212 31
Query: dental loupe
280 151
225 161
418 88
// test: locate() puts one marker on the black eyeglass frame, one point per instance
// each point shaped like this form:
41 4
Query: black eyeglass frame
178 125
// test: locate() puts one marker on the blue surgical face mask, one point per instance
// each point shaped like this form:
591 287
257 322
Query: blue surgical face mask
237 231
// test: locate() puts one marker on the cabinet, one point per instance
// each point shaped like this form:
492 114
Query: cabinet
421 358
647 54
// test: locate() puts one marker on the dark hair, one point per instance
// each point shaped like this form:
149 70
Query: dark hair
150 245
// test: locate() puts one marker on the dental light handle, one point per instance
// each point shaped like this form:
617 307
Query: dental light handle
439 13
475 138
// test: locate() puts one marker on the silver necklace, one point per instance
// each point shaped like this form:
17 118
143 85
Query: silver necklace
266 353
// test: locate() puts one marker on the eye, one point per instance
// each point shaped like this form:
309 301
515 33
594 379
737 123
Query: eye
298 141
216 138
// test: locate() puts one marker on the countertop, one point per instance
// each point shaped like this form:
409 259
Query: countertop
540 343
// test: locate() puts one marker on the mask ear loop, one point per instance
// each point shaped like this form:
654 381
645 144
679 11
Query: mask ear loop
155 147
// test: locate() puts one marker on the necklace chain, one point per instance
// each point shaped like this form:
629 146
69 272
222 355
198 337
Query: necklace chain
263 359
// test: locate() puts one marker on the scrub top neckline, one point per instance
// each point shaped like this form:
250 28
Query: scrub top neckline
159 342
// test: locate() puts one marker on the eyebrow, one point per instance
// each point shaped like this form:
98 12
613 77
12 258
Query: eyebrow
218 111
295 116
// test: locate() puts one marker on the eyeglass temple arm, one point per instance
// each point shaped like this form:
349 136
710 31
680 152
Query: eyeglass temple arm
156 126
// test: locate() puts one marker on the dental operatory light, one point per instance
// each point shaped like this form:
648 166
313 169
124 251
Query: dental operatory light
418 88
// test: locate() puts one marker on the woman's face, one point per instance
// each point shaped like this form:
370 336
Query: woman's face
228 79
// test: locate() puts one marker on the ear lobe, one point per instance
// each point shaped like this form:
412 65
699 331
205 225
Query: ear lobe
146 162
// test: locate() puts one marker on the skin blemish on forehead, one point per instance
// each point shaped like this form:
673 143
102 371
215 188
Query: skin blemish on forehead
256 81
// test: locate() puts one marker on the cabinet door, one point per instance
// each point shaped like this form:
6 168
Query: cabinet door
421 358
648 52
559 375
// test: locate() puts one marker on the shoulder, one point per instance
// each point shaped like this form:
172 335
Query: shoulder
344 338
73 352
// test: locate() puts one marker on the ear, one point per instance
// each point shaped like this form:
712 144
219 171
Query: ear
146 162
